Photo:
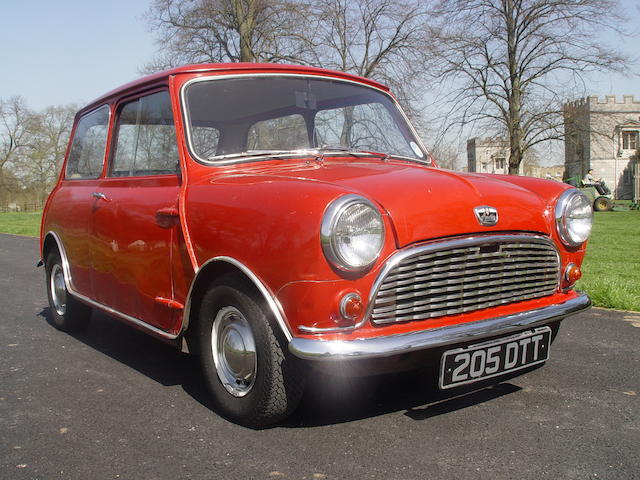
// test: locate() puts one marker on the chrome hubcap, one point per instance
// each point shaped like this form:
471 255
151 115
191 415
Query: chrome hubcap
234 351
58 289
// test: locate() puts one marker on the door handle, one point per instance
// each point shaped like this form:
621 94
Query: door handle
167 217
100 196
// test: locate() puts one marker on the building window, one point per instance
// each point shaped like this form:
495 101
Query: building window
629 140
500 161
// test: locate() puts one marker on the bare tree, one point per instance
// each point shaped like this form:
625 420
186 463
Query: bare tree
197 31
512 62
32 148
16 122
40 163
447 154
380 39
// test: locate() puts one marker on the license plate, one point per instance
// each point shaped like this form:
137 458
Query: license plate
462 366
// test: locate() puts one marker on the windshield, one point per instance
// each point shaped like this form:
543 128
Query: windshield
253 116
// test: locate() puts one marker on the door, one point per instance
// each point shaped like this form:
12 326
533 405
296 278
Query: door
74 201
130 248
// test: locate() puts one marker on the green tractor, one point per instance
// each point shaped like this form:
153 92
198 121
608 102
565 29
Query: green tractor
600 202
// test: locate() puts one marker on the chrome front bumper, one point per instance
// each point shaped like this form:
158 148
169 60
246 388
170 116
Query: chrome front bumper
378 347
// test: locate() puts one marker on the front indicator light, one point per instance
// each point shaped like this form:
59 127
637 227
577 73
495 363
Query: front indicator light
571 275
351 307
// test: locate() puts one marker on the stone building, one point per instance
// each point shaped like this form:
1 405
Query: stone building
604 135
491 155
487 155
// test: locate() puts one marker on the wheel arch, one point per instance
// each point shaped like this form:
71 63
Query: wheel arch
208 273
52 241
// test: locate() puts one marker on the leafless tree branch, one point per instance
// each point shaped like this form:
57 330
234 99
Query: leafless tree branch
515 57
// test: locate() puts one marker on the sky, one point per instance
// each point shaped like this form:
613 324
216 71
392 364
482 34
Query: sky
57 52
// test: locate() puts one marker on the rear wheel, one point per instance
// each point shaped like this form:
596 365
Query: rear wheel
602 204
67 313
253 378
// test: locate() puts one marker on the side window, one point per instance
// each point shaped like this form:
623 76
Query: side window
146 138
87 149
284 133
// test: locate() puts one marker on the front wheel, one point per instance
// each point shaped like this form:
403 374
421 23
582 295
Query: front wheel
602 204
67 313
253 378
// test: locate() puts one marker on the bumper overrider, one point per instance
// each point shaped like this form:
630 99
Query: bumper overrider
380 347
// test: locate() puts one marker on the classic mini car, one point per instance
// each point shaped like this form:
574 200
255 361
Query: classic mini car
277 219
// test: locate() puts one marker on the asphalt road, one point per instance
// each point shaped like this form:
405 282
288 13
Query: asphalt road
112 403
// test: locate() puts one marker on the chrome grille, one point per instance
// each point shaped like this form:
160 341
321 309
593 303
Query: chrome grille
464 275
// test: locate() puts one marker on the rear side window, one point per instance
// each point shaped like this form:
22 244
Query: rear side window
86 156
145 138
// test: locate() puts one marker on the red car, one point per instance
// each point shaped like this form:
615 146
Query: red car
272 218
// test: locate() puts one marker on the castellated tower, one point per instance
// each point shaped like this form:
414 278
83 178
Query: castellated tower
603 134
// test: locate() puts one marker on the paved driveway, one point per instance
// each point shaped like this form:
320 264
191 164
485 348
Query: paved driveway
113 403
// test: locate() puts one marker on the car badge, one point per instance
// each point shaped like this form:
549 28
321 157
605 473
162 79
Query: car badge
487 216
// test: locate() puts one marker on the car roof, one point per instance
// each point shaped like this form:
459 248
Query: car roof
230 68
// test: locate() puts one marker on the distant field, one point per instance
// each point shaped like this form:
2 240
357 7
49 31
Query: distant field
611 267
20 223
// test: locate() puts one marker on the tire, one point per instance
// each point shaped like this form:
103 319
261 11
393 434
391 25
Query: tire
602 204
67 313
254 381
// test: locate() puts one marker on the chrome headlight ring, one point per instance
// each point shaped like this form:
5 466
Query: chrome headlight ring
352 233
574 218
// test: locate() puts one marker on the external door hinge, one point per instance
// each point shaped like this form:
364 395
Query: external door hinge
167 302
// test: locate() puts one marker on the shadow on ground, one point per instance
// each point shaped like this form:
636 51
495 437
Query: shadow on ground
328 399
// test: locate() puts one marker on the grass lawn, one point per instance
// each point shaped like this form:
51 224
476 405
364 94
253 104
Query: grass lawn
611 268
21 223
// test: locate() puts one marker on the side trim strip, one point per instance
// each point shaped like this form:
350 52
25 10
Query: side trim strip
377 347
93 303
127 318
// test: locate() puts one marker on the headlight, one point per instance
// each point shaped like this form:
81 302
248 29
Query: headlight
352 233
574 217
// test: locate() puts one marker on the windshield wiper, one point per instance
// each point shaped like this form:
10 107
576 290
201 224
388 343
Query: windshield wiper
320 152
356 153
368 153
341 149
